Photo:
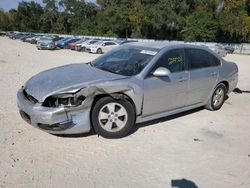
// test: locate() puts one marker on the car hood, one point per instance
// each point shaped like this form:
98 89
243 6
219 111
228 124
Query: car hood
66 78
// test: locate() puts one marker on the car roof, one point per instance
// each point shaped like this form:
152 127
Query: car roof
163 44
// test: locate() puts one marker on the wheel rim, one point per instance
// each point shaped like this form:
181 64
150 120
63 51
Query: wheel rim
112 117
218 97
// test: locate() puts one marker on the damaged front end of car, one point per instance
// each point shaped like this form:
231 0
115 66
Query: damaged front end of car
63 113
68 112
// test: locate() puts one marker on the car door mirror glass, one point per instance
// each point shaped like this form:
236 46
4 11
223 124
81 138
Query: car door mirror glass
161 72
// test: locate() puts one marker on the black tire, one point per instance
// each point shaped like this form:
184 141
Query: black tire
211 103
99 51
100 105
83 49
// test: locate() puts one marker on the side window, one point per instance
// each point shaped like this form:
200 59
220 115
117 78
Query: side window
109 43
198 58
172 60
214 61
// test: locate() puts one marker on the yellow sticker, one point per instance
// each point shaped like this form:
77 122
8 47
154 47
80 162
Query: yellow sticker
173 60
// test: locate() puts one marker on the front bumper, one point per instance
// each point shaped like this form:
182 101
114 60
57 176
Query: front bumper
53 120
46 47
93 50
87 50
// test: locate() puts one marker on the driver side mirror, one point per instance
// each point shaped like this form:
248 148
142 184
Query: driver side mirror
161 72
103 44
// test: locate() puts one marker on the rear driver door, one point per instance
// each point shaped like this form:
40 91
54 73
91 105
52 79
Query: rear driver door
204 71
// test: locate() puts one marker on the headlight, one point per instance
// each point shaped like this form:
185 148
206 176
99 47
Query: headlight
64 100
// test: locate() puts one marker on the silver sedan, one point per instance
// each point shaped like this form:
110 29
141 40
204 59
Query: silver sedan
133 83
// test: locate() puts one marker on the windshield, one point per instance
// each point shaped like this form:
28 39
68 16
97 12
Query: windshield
127 61
98 42
45 39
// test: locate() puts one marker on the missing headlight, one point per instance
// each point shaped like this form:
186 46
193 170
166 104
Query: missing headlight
66 101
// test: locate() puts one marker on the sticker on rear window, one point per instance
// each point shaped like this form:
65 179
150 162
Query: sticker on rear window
148 52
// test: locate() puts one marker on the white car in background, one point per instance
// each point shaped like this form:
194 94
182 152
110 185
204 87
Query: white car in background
102 46
82 46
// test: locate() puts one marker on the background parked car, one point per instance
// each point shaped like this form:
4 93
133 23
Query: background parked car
125 41
27 36
2 33
55 39
101 46
65 43
33 40
46 43
16 36
72 46
82 46
229 49
219 49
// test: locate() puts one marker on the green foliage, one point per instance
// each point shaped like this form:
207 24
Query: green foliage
201 26
189 20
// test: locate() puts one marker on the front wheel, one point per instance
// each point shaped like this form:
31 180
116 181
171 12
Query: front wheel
113 118
99 51
218 98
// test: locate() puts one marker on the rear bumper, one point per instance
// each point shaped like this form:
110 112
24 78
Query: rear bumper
71 47
53 120
233 81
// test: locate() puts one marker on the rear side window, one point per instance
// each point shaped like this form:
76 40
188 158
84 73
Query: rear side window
109 43
172 60
198 58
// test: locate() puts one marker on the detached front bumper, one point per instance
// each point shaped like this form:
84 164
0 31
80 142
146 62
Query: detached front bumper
53 120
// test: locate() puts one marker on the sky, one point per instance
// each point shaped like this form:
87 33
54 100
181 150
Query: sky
9 4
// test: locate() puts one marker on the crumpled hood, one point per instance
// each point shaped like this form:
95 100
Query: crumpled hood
65 78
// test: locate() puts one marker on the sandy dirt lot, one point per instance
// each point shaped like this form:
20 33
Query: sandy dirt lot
198 148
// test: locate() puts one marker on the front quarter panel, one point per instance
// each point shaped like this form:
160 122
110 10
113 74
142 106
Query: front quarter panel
131 87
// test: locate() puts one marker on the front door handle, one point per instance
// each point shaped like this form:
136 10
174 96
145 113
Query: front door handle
183 79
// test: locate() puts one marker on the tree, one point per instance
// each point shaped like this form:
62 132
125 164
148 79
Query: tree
190 20
234 20
4 20
28 16
50 15
201 26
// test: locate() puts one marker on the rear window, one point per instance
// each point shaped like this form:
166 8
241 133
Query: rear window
198 58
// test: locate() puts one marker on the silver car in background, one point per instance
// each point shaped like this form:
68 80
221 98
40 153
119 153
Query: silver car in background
46 43
135 82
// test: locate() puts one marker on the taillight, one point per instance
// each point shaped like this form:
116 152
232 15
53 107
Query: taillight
237 69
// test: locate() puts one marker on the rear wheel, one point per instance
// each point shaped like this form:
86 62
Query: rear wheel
99 51
218 98
113 118
83 49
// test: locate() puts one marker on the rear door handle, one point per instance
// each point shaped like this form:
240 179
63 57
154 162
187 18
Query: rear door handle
183 79
213 73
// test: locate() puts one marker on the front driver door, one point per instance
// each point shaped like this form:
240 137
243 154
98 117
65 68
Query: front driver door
162 94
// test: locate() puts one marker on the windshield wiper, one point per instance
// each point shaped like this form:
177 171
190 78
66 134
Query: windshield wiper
90 63
106 69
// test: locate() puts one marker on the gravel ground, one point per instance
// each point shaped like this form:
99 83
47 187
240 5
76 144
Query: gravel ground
196 149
